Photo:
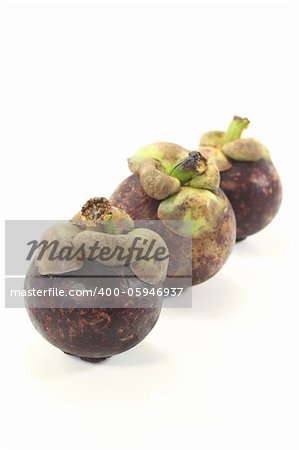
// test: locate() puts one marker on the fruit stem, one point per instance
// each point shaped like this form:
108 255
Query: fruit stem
99 211
96 209
185 169
235 129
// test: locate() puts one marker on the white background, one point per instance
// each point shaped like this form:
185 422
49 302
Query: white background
83 86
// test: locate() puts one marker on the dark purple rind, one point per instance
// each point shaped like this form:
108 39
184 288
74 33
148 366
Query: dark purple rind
209 252
88 332
255 192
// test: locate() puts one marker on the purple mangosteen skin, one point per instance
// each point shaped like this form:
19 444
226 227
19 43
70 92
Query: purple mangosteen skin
209 252
248 176
89 332
255 192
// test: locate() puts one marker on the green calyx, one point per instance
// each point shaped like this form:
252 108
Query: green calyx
192 212
97 226
245 150
229 145
185 182
166 154
97 214
165 167
157 184
214 155
209 179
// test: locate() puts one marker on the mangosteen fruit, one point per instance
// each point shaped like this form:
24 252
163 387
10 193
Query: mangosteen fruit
248 176
97 297
180 190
